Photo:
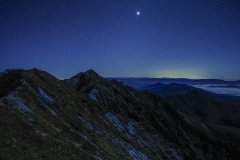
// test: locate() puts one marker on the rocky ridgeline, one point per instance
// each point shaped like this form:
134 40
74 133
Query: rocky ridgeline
89 117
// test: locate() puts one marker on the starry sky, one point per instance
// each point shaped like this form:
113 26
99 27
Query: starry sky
122 38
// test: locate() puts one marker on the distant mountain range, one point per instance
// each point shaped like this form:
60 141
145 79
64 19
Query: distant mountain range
170 89
177 86
140 82
89 117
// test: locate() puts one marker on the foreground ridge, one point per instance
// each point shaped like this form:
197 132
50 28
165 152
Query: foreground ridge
89 117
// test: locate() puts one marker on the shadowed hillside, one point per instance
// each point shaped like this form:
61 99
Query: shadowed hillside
89 117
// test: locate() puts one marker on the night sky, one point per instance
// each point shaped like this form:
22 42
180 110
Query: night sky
122 38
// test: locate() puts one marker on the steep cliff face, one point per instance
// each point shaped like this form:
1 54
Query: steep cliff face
89 117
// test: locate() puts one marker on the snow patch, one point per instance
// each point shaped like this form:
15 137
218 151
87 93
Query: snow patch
45 96
84 137
42 133
74 81
92 94
17 102
129 129
188 121
57 129
89 124
31 89
131 126
116 122
122 145
204 126
52 112
137 155
75 131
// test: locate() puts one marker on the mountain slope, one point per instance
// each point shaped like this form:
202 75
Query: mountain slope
42 112
147 107
88 117
207 107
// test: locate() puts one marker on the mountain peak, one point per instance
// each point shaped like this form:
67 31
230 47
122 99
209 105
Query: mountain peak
84 80
91 73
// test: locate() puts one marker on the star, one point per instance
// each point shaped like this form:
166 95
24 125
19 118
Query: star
138 13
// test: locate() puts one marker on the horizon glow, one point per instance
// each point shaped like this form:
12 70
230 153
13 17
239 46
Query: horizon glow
192 39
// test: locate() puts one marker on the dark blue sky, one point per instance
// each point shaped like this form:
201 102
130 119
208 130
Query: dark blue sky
170 38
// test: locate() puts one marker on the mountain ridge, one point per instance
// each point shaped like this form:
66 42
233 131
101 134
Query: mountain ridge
140 82
89 117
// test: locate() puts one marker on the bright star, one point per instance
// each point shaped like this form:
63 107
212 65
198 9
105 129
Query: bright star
138 13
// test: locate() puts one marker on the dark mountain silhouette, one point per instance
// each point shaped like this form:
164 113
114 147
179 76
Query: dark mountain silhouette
141 82
208 108
89 117
170 89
